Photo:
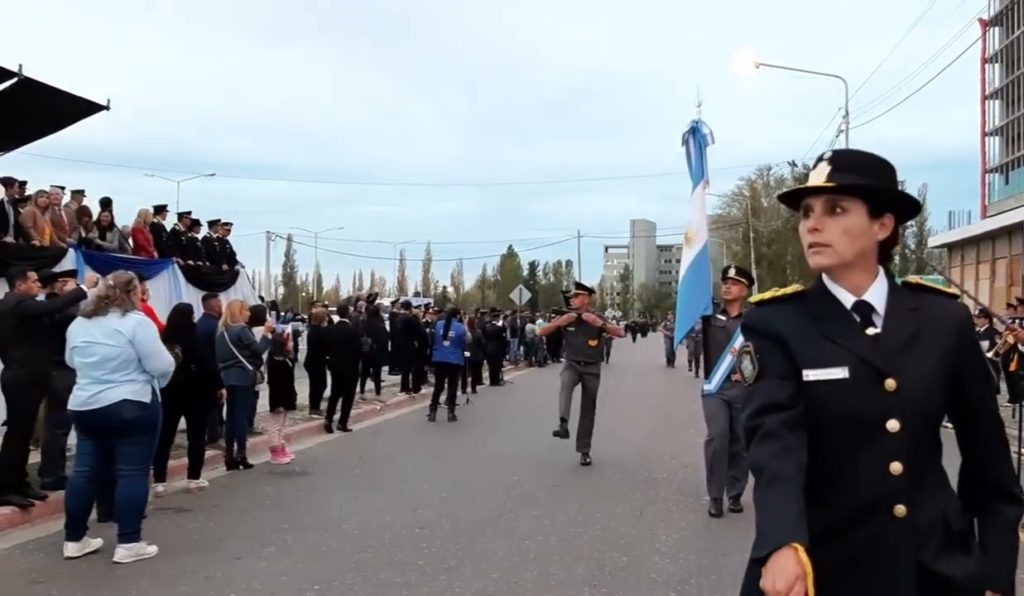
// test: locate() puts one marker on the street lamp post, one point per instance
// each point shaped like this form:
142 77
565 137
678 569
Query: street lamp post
846 90
177 185
316 254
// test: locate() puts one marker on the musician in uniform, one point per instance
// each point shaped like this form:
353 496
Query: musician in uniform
227 252
1010 360
988 338
725 459
177 234
583 331
850 380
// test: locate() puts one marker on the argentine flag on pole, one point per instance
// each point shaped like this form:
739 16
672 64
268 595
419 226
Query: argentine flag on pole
693 297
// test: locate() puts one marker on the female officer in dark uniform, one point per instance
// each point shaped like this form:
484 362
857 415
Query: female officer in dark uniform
851 379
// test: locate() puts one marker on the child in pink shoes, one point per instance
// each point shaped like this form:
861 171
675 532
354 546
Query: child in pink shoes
281 383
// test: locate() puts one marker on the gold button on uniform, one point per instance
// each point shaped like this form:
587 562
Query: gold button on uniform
893 425
895 468
899 511
889 384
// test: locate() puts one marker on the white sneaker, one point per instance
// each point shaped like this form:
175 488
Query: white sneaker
136 551
159 489
195 486
74 550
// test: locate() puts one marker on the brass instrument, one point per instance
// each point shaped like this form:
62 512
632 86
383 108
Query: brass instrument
1006 341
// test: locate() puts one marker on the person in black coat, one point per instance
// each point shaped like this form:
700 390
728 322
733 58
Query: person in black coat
158 229
375 350
176 236
476 358
194 253
344 353
317 349
26 377
988 338
850 381
405 333
495 348
212 246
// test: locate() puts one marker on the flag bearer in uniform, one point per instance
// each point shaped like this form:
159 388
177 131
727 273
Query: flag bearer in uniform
725 460
583 331
850 381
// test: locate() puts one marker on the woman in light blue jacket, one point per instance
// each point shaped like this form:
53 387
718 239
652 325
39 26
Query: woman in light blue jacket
240 359
120 365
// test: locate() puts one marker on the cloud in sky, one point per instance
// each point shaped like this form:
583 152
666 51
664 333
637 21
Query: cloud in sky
476 91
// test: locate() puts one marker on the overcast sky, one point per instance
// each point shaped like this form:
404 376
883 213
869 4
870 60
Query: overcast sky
478 91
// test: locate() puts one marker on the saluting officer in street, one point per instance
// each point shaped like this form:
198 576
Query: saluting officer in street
850 381
725 459
583 331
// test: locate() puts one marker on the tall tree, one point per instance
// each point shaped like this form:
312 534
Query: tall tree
353 290
332 295
427 270
457 281
570 274
653 300
289 276
360 286
483 281
913 255
532 283
626 300
305 292
402 281
318 284
373 281
508 275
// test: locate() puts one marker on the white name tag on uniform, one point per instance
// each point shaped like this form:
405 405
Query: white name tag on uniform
826 374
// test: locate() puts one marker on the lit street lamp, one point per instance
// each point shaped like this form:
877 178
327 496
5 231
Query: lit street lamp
746 62
178 183
316 252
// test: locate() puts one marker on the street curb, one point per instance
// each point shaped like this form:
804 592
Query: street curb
12 518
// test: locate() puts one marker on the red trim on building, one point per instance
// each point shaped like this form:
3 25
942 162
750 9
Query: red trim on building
983 190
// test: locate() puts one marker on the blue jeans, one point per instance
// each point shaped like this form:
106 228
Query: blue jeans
236 425
118 439
513 350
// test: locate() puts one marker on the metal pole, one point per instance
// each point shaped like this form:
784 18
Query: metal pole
267 286
177 199
394 267
579 256
753 260
316 260
846 88
846 113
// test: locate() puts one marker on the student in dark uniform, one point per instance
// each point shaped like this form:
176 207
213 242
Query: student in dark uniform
725 459
211 244
988 338
495 347
227 251
850 381
158 229
194 253
583 330
177 234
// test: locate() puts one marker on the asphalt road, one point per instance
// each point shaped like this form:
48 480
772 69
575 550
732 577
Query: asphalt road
490 505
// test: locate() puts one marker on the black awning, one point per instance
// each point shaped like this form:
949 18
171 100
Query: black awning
33 110
6 74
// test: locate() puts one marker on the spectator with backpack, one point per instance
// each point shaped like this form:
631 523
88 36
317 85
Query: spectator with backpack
374 340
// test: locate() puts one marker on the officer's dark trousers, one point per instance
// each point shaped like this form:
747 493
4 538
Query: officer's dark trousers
24 391
588 376
343 389
476 374
725 457
495 362
670 352
317 373
446 375
53 455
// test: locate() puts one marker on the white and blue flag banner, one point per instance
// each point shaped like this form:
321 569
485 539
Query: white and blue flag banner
693 298
724 367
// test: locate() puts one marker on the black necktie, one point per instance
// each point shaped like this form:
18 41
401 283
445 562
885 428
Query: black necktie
865 314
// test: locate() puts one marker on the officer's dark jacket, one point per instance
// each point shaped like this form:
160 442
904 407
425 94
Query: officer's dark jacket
852 467
717 331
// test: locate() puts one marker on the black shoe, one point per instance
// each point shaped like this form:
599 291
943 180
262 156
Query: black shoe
585 459
344 429
31 493
54 485
561 432
243 463
715 508
452 417
230 463
329 427
735 505
432 416
13 500
317 413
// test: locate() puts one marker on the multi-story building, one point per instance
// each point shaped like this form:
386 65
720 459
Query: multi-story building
985 257
650 262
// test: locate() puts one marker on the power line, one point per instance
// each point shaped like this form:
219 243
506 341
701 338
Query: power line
880 99
906 34
822 133
916 91
400 184
435 260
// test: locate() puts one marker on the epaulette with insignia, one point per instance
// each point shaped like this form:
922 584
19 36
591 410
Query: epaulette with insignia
776 293
917 283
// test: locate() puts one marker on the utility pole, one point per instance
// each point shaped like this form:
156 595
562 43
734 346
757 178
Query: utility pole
753 261
579 257
267 284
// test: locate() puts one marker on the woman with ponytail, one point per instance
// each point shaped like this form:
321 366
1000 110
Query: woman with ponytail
449 357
